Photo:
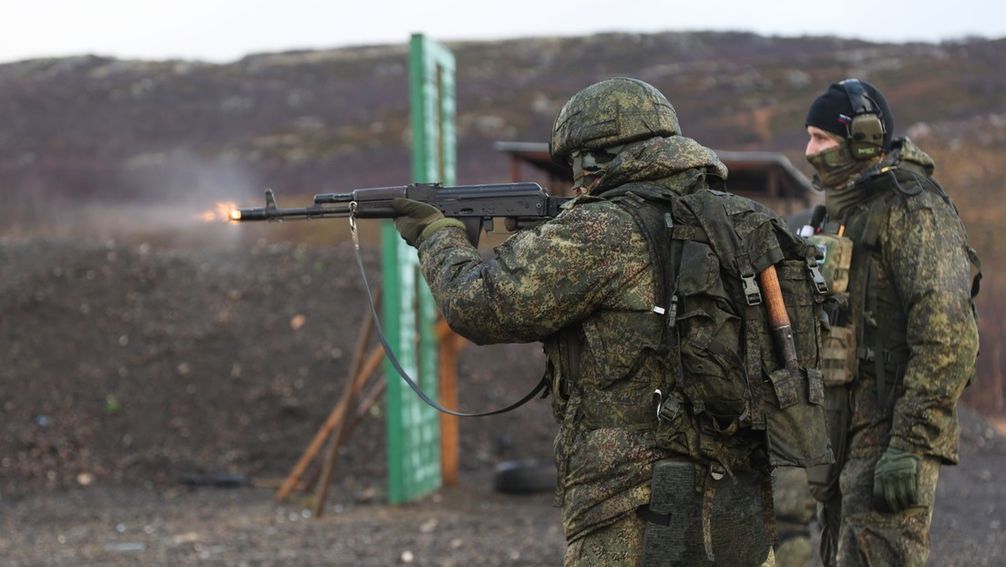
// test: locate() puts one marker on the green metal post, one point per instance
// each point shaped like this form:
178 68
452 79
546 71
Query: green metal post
409 309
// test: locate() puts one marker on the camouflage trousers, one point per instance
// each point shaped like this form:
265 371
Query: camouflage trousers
616 545
863 536
794 512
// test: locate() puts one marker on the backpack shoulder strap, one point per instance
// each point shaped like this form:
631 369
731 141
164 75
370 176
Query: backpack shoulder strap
656 222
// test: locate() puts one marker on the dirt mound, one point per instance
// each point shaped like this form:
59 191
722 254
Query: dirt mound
136 364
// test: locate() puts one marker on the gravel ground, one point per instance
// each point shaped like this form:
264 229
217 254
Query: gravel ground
969 524
468 525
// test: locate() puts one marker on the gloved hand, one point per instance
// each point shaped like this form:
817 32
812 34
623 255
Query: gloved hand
417 220
896 479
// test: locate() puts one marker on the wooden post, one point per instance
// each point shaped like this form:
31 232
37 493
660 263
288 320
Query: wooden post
448 386
344 418
338 412
353 385
515 173
372 396
325 430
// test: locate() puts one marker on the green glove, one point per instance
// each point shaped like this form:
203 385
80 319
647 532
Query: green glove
418 220
896 479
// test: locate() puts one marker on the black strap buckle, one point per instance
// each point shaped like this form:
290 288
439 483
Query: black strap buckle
820 285
667 406
871 355
752 293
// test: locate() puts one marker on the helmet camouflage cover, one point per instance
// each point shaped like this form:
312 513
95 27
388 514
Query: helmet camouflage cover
610 113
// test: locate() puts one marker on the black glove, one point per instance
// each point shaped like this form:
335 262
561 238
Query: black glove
418 220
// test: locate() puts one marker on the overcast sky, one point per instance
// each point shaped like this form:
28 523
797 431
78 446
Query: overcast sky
224 30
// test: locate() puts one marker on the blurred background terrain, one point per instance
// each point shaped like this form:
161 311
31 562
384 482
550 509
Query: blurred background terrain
142 338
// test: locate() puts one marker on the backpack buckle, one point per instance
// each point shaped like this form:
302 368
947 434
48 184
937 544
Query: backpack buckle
667 408
672 317
820 285
671 310
752 293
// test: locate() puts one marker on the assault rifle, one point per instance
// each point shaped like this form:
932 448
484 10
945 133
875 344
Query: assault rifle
521 205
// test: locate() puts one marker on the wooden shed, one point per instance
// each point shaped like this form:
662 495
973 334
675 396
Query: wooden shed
767 177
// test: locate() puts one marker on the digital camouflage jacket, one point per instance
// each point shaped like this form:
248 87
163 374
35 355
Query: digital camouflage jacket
584 285
910 292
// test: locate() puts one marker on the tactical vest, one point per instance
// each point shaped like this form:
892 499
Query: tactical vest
880 343
876 345
720 390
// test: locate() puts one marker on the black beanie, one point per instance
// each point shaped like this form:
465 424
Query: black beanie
829 111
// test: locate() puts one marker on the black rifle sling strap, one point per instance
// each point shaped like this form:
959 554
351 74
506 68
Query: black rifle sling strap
394 359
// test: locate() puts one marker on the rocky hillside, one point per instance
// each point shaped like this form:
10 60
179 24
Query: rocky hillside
322 120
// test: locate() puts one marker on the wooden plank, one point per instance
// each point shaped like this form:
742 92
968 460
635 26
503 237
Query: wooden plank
448 387
451 345
318 441
340 431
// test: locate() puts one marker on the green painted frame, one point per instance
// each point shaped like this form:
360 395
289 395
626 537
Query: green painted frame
409 310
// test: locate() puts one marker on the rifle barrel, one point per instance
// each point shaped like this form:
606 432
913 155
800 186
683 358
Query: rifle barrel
297 213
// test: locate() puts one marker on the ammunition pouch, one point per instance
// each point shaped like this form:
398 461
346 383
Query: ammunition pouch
835 259
839 355
793 430
706 520
823 479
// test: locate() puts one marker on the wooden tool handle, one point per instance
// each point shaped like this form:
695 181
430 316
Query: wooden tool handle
769 281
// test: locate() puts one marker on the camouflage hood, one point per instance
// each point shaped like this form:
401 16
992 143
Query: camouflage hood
904 153
660 160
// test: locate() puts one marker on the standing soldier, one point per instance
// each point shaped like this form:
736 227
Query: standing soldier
901 350
668 426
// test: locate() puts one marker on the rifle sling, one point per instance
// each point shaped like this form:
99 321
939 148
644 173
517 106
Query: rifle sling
379 329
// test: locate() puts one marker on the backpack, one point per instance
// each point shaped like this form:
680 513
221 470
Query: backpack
724 370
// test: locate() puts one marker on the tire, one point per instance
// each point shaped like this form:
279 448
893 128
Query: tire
524 477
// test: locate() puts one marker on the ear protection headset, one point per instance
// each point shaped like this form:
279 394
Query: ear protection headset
866 126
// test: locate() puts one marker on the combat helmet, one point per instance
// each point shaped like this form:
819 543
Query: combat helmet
610 113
